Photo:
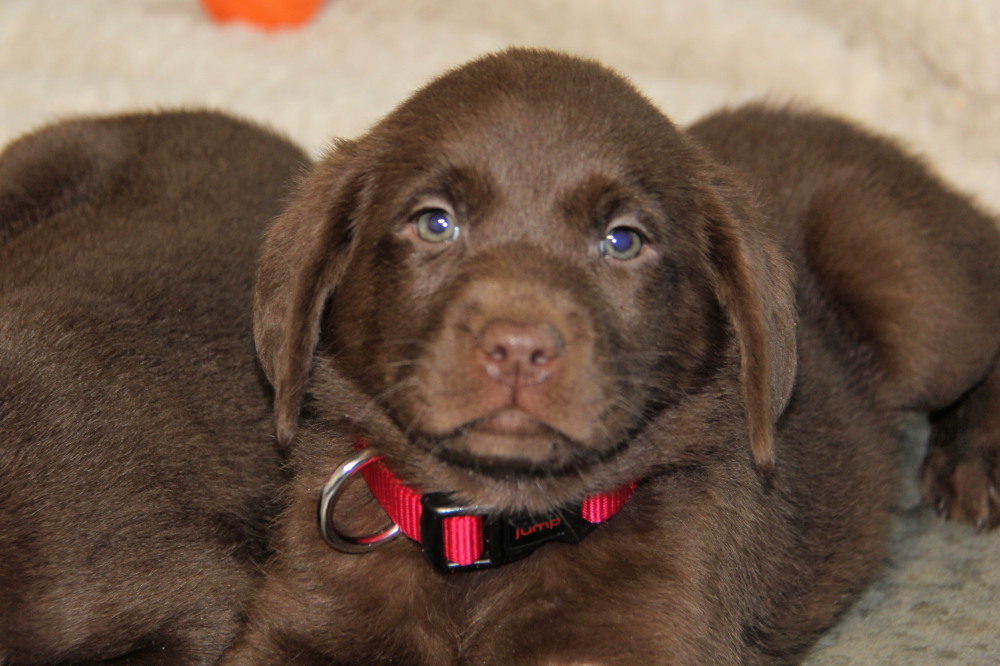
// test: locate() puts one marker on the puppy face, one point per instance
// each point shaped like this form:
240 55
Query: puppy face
524 267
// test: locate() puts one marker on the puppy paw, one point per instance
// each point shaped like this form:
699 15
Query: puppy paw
962 487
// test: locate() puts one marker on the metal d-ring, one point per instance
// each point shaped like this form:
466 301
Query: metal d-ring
328 502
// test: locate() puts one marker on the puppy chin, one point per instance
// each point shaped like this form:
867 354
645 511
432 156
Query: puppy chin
511 443
528 473
505 456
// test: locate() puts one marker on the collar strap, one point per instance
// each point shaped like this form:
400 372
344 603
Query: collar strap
458 537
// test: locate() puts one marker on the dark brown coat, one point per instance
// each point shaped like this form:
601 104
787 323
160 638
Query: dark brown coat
801 285
136 467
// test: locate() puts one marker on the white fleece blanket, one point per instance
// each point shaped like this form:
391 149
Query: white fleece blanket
925 71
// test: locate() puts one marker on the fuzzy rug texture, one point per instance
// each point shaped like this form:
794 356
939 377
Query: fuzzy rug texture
925 72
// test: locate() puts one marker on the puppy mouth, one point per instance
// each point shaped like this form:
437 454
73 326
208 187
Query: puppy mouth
510 443
510 423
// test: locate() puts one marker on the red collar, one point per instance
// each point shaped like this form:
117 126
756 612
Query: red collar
457 537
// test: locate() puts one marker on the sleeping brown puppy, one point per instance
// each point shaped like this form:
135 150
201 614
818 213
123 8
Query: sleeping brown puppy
532 295
135 459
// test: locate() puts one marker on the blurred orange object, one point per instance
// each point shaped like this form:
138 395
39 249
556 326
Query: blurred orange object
263 13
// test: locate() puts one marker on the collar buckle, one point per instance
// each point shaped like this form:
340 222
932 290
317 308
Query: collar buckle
505 538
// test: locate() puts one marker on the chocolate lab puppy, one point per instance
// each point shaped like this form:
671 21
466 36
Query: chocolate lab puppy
136 466
634 390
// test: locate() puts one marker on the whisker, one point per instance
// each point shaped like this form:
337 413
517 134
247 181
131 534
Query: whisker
402 363
394 389
408 429
404 341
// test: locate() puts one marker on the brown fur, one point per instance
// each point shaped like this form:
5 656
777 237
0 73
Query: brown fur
802 286
749 368
135 466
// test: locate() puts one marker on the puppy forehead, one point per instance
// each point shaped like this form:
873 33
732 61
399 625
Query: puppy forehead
527 150
525 134
518 157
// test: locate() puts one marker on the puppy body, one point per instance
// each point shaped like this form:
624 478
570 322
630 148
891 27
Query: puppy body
901 272
747 366
135 466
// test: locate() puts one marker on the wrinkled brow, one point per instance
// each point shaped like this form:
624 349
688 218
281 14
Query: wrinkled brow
599 199
469 190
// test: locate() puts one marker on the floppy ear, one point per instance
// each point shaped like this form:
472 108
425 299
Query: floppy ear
755 286
304 255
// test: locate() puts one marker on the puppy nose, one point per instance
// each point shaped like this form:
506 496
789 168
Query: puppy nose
519 354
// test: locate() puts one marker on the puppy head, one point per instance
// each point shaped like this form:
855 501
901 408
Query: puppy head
523 267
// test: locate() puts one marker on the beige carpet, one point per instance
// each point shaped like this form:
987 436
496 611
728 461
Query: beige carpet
927 71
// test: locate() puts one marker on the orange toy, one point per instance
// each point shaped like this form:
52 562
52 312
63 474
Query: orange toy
263 13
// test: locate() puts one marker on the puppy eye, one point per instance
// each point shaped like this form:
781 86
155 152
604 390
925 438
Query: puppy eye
436 226
621 243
